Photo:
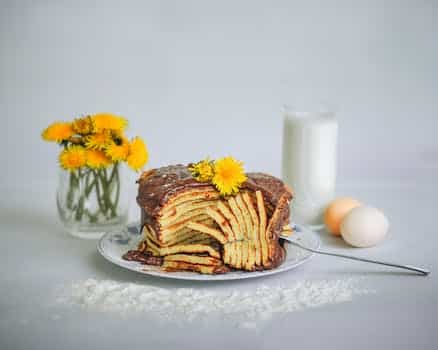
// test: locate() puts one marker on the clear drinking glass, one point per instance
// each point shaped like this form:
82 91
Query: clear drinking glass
309 163
92 201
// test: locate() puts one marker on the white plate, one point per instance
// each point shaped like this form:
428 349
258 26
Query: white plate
113 245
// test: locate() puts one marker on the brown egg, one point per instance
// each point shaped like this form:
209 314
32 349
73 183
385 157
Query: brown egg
336 211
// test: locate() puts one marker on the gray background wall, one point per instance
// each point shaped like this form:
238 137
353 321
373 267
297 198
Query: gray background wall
200 78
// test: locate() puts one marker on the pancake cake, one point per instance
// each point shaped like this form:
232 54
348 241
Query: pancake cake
189 226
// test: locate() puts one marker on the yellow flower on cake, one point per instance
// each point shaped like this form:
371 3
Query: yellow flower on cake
83 126
108 121
118 149
138 154
228 175
97 159
98 141
73 158
203 171
58 132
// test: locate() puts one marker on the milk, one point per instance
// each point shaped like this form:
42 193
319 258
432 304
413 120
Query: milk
309 163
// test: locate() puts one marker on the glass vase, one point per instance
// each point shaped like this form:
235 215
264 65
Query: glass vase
92 201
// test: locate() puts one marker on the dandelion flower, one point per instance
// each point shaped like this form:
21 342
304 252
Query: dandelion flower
97 159
83 126
229 175
138 154
58 132
118 149
109 121
99 140
202 171
73 158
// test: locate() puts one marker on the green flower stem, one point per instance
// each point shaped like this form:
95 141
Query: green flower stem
114 172
116 201
105 201
111 185
80 209
87 182
73 184
98 192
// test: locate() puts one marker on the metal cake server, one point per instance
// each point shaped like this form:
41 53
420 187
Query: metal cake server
294 242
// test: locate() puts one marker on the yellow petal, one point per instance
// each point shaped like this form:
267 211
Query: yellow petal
58 132
138 154
97 159
108 121
73 158
117 151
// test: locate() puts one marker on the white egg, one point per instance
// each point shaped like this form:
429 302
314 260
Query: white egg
364 226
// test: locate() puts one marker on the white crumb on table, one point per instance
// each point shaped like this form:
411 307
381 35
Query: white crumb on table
248 307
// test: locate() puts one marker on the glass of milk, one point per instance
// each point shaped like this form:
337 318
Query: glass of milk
309 163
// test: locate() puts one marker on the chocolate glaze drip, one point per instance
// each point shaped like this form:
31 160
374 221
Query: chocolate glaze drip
144 258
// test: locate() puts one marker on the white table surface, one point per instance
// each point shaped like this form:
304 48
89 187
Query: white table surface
36 257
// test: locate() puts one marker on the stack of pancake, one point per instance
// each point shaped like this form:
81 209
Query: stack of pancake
188 226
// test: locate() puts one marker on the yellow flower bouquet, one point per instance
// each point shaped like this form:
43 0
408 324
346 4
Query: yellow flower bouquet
93 147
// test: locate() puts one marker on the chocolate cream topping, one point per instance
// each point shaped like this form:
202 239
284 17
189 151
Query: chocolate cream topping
158 185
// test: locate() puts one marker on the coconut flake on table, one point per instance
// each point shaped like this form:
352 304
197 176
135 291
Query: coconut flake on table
248 307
